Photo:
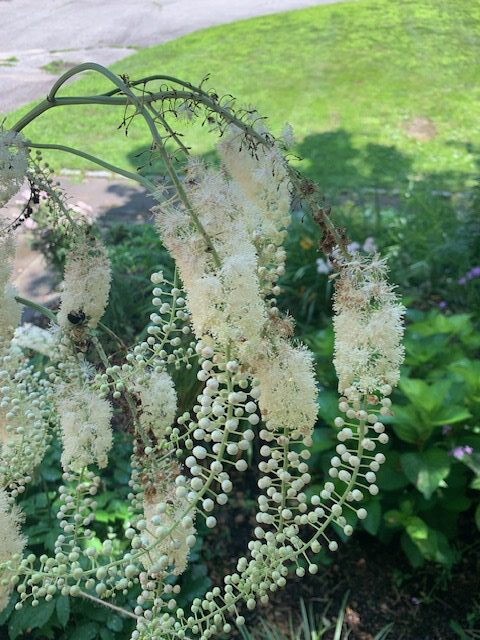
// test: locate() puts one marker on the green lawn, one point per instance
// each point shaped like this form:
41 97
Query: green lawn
357 80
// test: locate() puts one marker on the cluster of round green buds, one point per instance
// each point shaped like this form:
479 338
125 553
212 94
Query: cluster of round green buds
25 408
170 324
77 564
272 260
360 432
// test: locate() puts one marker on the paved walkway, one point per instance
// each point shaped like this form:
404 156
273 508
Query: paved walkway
102 200
35 33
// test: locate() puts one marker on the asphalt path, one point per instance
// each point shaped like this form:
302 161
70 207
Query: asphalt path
34 33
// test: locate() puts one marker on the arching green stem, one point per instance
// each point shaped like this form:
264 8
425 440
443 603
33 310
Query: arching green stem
102 163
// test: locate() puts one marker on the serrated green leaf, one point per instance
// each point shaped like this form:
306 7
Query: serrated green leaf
63 610
418 392
421 350
427 469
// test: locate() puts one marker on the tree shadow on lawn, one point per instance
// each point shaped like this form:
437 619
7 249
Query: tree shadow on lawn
338 166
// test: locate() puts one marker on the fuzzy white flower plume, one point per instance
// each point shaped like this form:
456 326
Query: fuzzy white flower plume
262 177
29 336
173 549
368 327
159 403
288 389
86 284
86 430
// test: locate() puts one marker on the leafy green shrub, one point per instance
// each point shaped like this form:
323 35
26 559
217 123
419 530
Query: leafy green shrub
432 475
432 244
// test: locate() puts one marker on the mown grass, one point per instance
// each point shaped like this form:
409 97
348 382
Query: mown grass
351 78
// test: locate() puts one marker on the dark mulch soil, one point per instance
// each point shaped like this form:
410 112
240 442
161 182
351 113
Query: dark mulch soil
383 588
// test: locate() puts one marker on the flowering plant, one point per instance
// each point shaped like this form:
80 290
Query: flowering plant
225 229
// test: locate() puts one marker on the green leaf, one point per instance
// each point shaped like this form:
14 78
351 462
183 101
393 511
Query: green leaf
323 440
469 371
475 484
420 350
432 544
409 425
30 618
394 518
458 324
454 626
63 610
86 631
5 614
419 394
477 517
328 406
411 550
390 477
115 623
451 415
426 470
374 517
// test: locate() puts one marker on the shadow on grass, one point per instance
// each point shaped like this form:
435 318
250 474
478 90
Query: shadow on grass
338 166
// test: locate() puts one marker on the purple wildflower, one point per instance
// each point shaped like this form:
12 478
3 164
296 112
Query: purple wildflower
473 273
462 280
460 452
443 304
369 245
353 247
446 429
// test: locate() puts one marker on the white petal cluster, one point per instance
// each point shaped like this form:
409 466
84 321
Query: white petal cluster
174 549
12 544
10 310
29 336
368 327
225 301
262 179
158 403
86 430
288 389
13 164
167 536
86 283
